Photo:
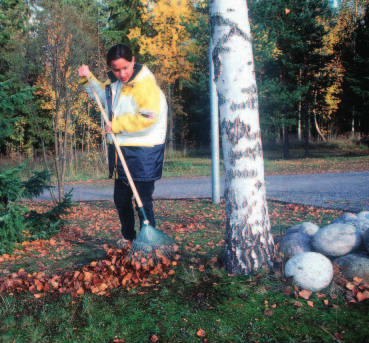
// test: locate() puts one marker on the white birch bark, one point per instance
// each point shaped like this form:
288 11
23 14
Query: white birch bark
249 243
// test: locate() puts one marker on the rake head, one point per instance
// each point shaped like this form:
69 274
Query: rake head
150 246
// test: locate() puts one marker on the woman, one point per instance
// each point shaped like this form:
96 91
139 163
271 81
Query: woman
138 117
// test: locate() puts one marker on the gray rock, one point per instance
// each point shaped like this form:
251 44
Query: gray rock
344 217
364 215
311 271
366 240
295 243
360 221
361 225
337 240
354 265
307 227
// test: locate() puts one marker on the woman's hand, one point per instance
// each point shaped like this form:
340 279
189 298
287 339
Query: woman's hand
108 127
84 71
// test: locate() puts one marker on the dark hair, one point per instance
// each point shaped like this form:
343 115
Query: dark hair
119 51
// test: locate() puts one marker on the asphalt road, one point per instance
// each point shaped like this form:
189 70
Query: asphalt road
344 191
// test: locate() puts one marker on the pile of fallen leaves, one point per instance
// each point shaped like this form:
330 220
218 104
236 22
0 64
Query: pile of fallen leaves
99 277
357 290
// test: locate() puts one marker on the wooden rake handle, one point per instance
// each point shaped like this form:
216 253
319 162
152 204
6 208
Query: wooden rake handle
119 151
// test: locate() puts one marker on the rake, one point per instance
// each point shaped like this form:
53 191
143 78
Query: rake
151 245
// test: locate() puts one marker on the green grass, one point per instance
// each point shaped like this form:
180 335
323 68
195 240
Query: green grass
227 308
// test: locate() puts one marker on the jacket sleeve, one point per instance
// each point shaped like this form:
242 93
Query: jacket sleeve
99 88
146 95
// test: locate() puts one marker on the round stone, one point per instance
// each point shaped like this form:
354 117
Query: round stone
295 243
354 265
366 240
344 217
307 227
337 240
311 271
364 215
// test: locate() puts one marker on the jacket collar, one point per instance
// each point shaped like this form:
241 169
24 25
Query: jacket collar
136 69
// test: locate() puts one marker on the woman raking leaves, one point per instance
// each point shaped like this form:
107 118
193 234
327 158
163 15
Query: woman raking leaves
137 118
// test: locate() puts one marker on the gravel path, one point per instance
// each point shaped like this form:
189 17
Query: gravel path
344 191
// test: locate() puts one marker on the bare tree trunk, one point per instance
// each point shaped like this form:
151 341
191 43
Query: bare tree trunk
170 117
299 135
315 120
43 153
307 130
249 243
299 132
286 144
353 124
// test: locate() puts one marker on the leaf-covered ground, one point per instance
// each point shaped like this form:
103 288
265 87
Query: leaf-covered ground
76 287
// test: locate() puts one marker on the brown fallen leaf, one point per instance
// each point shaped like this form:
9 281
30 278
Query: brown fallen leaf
326 302
357 281
268 313
154 338
201 333
350 286
287 290
297 303
361 296
310 303
305 294
338 336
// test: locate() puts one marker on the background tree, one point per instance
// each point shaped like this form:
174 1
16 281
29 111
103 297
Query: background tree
166 51
65 40
14 89
249 243
295 60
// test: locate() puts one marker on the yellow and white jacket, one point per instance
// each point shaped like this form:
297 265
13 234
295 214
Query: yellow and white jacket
139 122
139 114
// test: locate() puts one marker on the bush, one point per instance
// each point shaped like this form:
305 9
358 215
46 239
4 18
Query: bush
17 223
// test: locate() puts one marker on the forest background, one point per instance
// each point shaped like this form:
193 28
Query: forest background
311 57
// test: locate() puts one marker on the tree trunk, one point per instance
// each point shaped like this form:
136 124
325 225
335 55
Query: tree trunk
170 118
315 120
299 135
307 130
286 144
249 243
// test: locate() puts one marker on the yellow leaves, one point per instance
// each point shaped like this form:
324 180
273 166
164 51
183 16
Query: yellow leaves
172 41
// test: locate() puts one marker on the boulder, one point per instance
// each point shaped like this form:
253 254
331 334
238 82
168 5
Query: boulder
360 221
295 243
344 217
307 227
366 240
311 271
354 265
337 240
364 215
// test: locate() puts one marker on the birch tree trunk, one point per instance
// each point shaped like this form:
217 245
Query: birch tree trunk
249 243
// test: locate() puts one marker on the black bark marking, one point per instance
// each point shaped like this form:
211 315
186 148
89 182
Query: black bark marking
231 174
251 153
235 130
251 102
221 99
234 204
258 185
249 90
218 20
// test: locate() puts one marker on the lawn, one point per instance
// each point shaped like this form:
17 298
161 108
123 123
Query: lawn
190 300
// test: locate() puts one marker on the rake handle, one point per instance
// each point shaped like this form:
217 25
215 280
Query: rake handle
119 151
